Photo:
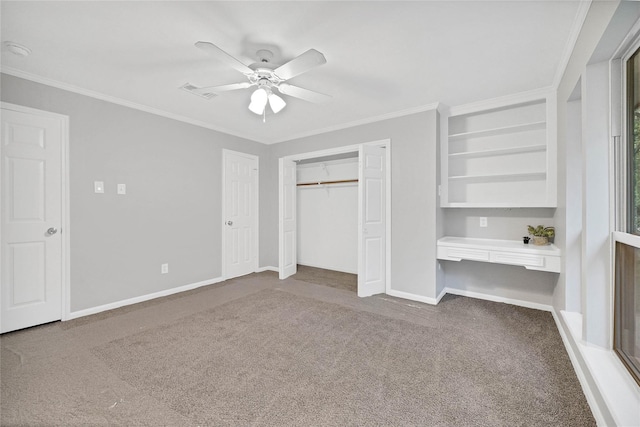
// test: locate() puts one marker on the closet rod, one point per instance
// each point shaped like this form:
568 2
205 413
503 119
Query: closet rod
343 181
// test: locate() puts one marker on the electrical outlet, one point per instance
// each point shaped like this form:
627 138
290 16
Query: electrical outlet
164 268
98 186
483 221
122 189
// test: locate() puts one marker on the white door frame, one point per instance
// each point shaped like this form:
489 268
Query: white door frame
64 196
349 149
256 211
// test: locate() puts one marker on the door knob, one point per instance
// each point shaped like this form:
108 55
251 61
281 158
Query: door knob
52 231
229 222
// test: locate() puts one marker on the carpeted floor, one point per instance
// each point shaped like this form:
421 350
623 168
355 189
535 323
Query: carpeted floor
263 352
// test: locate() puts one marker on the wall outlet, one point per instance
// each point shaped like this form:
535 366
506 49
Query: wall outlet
122 189
483 221
164 268
98 186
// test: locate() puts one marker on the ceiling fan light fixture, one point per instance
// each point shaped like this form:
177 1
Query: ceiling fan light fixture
276 103
259 100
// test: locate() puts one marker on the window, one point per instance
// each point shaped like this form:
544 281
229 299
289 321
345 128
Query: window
633 137
626 318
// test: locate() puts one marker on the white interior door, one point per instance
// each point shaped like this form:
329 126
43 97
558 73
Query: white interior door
240 214
288 251
371 213
31 215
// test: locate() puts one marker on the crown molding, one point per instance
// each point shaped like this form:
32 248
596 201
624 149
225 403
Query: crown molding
392 115
115 100
576 27
489 104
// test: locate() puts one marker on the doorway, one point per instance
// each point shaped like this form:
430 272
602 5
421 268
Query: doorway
239 214
33 217
373 217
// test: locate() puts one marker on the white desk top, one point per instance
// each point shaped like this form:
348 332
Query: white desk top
499 245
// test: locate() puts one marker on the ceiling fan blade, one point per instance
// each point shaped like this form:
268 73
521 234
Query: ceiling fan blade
308 60
305 94
223 56
224 88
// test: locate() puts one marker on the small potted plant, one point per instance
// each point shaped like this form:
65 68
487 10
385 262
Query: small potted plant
541 234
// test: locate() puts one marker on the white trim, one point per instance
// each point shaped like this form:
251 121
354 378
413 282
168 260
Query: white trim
495 298
64 202
256 209
324 153
576 27
416 297
503 101
142 298
119 101
368 120
626 238
387 215
267 268
340 150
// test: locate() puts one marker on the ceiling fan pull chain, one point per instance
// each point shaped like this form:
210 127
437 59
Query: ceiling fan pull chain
264 116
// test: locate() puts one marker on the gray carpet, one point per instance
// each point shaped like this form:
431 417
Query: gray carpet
334 279
258 351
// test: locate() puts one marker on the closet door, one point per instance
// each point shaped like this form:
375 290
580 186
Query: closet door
288 251
371 213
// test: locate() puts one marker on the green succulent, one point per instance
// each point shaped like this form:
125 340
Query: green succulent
541 231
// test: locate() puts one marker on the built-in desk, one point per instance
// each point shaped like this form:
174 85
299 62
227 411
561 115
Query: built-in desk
512 252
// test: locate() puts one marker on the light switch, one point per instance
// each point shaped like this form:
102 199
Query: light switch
98 186
122 188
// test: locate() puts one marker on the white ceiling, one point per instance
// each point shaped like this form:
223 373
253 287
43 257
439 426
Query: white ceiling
384 58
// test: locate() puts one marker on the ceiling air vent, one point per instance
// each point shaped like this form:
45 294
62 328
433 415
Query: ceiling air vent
195 90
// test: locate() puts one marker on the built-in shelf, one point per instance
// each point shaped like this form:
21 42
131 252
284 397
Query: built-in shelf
522 127
510 252
500 177
499 151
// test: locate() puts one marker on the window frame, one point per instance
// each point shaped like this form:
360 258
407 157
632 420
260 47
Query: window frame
624 230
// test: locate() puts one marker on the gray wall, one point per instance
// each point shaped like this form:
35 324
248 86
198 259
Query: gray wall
498 280
414 140
171 212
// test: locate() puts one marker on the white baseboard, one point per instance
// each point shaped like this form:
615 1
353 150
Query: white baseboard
268 268
415 297
142 298
495 298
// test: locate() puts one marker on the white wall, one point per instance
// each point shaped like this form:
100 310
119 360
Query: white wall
328 216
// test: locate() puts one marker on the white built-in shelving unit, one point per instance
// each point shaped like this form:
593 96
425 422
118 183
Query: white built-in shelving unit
500 153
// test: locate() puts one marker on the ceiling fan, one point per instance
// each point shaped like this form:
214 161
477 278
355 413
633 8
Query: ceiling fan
267 77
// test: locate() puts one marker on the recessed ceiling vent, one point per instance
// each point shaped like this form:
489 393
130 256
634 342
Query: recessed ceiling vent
194 90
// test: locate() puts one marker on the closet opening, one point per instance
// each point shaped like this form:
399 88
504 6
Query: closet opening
327 225
335 217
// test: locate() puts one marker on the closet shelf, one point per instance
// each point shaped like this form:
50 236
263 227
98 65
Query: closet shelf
340 181
498 151
528 176
524 127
